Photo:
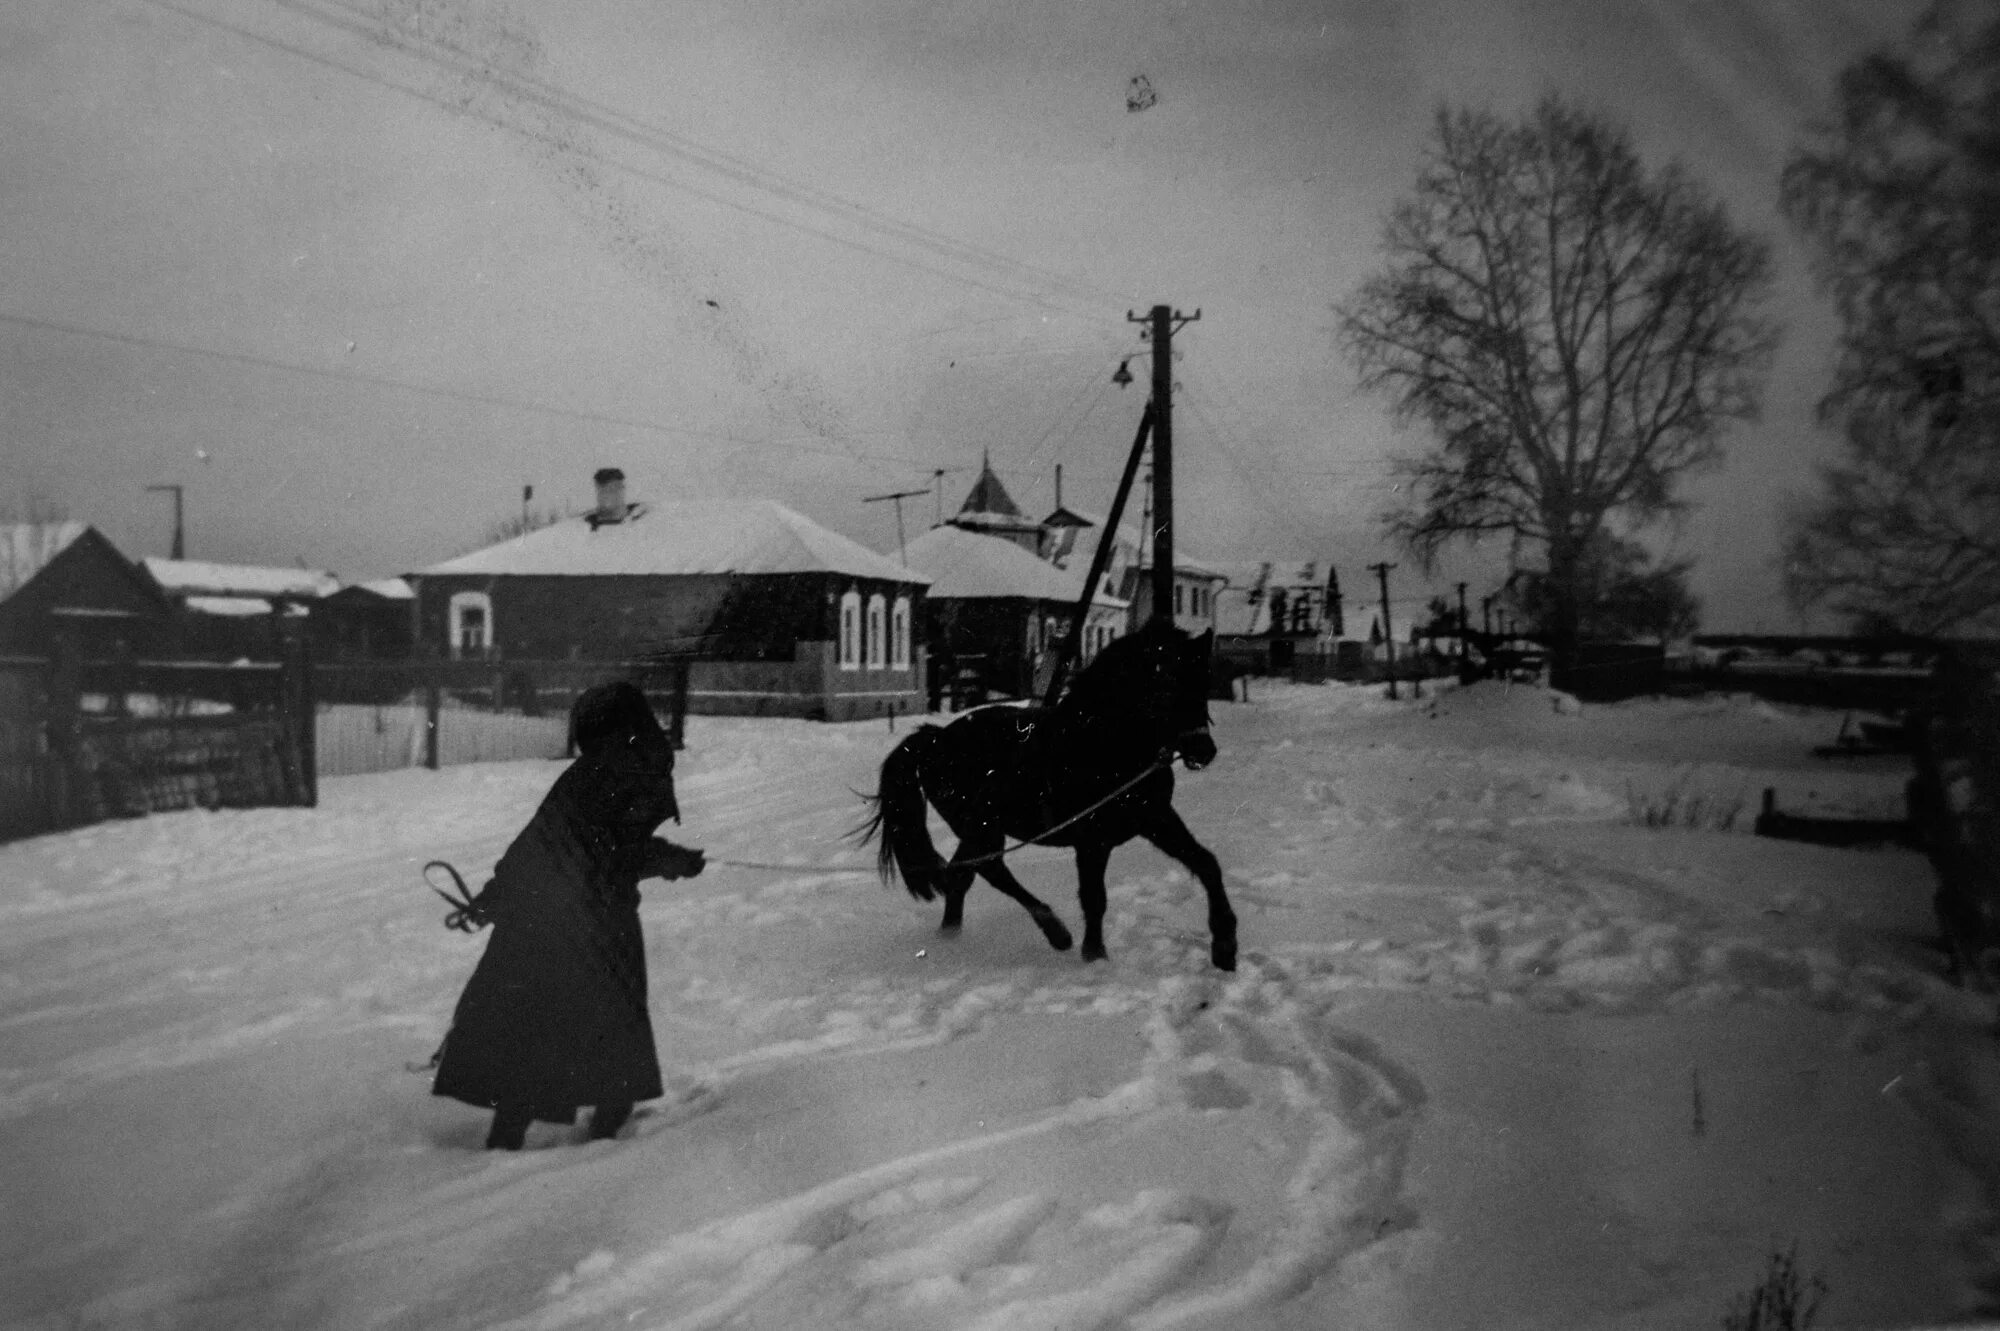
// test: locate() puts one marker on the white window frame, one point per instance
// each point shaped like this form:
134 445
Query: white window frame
899 634
455 623
876 643
850 631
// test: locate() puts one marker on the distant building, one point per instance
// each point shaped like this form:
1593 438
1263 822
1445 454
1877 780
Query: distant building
1128 573
66 579
367 621
1276 612
232 610
784 616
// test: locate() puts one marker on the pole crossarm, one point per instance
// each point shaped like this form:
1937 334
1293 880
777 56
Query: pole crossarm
899 496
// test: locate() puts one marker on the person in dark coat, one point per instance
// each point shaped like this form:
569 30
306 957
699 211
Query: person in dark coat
555 1016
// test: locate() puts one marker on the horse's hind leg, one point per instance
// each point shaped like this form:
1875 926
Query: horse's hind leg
996 872
1092 858
954 881
1171 835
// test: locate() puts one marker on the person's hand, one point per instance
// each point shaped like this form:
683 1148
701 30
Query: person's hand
672 861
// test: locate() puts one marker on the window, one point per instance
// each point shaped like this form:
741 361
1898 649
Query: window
877 640
1180 593
850 631
899 634
471 624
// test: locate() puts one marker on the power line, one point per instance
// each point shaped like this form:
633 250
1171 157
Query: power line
1043 300
556 97
433 390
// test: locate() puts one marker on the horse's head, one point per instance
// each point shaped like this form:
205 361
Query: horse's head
1192 661
1156 680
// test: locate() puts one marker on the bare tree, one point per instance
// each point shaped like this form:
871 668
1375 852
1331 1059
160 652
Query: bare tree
30 537
1576 331
1899 197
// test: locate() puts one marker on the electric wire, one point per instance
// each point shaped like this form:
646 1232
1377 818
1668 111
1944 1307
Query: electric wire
556 97
448 394
1043 300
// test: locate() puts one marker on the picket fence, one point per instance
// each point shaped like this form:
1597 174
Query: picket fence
352 738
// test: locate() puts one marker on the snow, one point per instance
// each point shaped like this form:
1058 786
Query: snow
964 564
197 577
714 536
1497 1055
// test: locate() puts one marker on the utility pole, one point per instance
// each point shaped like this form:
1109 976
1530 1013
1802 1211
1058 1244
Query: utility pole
898 497
937 479
1388 634
180 539
1163 321
527 494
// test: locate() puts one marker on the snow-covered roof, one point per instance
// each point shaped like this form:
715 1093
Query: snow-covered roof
716 536
392 589
235 606
198 577
964 564
1138 552
27 547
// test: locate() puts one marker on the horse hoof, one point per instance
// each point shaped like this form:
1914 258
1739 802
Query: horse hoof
948 930
1095 953
1058 936
1225 958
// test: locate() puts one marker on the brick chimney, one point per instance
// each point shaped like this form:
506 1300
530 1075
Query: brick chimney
610 496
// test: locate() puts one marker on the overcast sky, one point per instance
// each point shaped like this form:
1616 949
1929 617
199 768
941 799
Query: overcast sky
354 271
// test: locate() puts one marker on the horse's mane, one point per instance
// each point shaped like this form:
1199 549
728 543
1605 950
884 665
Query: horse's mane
1106 683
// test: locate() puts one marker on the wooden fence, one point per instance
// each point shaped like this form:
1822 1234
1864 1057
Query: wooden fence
86 740
353 738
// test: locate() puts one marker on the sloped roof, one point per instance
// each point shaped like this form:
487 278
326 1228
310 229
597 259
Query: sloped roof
963 564
27 547
988 495
1139 551
197 577
236 607
716 536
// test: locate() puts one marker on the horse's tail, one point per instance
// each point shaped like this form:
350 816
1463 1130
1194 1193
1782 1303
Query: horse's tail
899 818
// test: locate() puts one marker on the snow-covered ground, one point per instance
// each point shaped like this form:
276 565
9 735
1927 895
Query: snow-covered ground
1498 1055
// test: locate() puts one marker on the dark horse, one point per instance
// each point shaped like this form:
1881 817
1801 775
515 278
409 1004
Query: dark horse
1091 773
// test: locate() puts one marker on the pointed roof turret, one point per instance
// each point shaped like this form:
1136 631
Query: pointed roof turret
988 495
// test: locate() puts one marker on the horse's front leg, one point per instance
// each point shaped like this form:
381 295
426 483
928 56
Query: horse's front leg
1171 835
1092 857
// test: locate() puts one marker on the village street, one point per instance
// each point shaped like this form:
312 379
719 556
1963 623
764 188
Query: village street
1495 1056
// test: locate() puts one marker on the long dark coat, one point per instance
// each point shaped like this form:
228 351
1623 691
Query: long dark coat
554 1016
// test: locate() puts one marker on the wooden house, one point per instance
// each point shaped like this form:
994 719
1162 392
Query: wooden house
66 580
995 615
366 621
1128 574
227 611
779 615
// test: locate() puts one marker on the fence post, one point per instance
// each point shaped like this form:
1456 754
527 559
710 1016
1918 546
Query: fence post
678 717
60 732
302 699
433 705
